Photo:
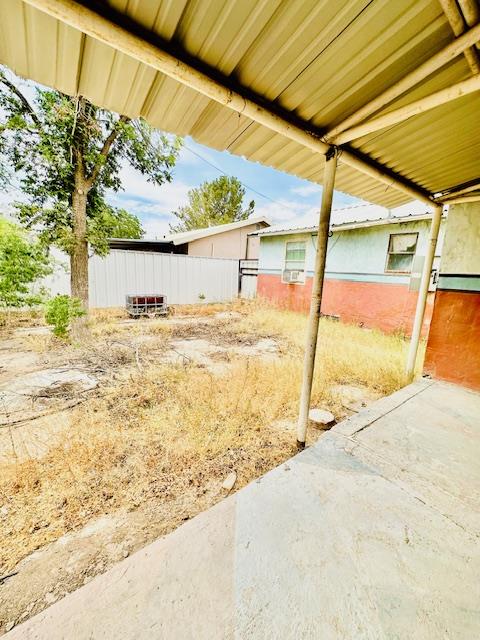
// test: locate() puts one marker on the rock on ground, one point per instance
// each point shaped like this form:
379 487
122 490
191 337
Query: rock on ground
321 418
229 481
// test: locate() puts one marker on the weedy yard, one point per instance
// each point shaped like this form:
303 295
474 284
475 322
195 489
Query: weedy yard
108 444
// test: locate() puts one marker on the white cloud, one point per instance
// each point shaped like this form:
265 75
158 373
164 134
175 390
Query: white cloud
149 201
155 229
168 196
307 190
288 211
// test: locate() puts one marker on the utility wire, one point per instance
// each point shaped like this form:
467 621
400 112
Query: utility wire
222 172
247 186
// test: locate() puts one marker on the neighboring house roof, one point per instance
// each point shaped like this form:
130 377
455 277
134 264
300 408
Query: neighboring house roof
138 240
197 234
345 220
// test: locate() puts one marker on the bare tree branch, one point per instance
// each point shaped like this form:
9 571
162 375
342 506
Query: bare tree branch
26 105
107 145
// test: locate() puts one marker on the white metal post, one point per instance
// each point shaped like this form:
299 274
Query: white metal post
423 291
317 290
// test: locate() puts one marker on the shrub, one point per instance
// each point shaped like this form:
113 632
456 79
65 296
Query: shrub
23 262
60 311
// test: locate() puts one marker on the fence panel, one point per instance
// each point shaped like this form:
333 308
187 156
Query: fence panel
183 279
248 278
248 288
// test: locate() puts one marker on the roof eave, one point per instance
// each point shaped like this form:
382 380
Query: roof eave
347 226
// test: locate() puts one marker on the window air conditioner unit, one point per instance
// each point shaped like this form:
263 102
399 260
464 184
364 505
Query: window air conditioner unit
291 276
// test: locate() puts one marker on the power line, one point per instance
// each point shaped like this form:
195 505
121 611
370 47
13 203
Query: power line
247 186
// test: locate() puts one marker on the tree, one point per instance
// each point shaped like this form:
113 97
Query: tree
68 153
217 202
113 223
22 263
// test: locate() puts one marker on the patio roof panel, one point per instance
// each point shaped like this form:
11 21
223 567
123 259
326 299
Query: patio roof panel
318 61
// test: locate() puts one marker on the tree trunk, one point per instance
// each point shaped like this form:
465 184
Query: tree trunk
79 254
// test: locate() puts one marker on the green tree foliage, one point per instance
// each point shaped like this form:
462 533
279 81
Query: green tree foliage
67 154
22 263
60 311
117 223
217 202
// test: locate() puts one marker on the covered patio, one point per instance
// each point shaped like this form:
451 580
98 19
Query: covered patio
373 532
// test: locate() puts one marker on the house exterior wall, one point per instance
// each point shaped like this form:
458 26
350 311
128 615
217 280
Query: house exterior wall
357 288
230 244
453 348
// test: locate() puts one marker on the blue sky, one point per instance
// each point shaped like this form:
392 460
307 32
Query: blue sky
287 197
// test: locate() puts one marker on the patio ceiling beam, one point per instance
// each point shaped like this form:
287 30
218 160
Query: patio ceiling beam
453 193
474 197
471 12
459 23
445 55
208 82
414 108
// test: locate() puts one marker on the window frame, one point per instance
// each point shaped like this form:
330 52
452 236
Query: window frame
287 242
400 253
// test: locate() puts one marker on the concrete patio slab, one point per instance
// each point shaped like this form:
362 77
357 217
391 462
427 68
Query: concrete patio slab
373 533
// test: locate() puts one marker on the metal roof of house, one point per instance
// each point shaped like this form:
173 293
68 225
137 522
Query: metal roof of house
345 220
197 234
312 62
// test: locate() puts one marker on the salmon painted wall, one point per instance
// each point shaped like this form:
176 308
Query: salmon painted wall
357 287
453 348
389 307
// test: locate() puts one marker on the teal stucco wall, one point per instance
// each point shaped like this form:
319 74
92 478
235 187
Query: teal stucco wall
357 254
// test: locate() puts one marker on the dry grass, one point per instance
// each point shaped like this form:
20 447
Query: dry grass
156 433
150 435
11 320
345 353
109 314
210 308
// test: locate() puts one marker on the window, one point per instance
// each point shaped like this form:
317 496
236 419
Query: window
294 262
295 256
401 250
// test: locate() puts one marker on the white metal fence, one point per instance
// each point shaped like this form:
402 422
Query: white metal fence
183 279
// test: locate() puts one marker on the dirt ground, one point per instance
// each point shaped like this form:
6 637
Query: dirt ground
109 444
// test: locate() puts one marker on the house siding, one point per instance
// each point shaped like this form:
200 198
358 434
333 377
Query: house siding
229 244
453 348
357 289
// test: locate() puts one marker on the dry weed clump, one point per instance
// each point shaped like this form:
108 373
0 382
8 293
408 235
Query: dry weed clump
42 343
12 319
109 314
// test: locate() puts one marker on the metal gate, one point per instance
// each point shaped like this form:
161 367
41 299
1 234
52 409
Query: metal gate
248 278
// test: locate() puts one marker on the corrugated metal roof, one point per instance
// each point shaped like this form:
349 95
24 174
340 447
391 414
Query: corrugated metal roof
317 59
355 217
197 234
